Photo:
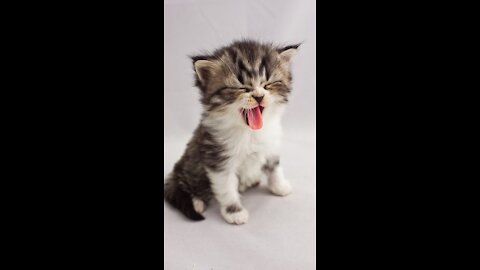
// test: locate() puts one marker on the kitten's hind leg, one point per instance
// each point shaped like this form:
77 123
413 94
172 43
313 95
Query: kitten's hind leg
199 205
250 173
277 183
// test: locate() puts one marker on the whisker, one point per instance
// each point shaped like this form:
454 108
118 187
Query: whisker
245 101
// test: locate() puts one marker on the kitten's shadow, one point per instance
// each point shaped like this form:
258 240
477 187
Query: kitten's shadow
261 189
256 192
260 192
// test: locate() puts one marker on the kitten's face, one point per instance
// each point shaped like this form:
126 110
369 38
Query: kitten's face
245 79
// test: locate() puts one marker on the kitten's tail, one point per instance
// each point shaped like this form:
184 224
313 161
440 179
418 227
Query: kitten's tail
181 200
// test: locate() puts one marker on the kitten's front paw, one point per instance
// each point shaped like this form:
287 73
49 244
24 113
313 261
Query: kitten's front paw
281 188
235 214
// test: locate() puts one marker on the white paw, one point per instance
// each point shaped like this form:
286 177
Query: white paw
240 217
281 188
198 205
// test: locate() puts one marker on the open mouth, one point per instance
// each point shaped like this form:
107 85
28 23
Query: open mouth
253 117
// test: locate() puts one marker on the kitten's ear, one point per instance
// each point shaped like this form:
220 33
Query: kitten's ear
203 68
287 53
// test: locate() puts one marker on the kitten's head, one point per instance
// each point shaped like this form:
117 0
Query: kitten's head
245 79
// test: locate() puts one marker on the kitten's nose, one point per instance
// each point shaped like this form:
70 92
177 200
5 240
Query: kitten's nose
258 99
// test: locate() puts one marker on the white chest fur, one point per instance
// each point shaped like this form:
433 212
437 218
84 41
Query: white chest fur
240 141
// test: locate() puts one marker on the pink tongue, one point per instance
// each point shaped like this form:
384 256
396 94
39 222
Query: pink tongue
255 118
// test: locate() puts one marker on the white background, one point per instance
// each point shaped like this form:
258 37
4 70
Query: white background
281 231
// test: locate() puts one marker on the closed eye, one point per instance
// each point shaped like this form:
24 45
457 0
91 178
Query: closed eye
273 84
246 89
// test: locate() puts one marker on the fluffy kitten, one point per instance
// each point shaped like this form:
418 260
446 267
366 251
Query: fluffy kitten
244 89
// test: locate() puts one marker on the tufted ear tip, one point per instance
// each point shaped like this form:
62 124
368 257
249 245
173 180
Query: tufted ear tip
195 58
293 46
287 53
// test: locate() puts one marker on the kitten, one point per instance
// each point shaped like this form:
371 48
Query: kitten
244 89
